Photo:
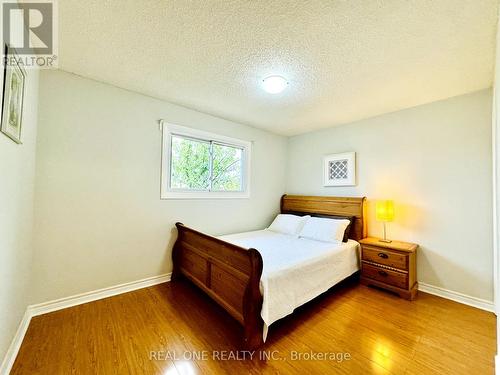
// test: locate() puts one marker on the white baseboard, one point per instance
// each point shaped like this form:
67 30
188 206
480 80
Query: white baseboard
15 344
79 299
63 303
457 297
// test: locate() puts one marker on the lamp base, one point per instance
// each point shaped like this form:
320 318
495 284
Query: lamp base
385 237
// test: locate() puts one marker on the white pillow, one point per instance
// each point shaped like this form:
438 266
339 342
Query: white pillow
288 224
324 229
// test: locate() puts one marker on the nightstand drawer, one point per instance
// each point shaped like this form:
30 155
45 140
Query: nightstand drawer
386 276
385 257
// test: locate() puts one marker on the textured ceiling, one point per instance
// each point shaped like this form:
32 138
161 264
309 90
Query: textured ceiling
345 60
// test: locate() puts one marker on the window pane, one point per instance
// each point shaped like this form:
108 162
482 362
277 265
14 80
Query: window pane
227 169
190 164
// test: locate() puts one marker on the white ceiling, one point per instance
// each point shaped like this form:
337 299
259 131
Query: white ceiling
345 59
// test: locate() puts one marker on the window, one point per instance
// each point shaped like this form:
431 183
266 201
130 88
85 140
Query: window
198 164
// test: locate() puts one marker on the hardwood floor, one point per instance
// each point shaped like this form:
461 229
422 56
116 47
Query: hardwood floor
174 329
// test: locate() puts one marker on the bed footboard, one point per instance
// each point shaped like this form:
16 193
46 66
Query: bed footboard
229 274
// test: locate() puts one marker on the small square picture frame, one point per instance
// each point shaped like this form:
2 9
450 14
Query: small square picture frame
339 169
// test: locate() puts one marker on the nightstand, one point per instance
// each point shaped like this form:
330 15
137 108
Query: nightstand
390 265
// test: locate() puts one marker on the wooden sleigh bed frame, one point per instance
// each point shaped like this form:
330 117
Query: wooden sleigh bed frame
230 274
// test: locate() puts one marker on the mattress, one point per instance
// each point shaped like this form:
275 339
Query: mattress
296 270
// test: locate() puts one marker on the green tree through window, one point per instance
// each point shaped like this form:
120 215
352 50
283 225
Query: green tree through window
204 165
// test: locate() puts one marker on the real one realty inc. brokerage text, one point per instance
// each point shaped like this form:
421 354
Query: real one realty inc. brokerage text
243 355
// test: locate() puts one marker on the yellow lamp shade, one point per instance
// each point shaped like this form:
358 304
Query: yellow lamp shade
385 210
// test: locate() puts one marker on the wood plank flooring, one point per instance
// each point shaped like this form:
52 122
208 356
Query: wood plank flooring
174 329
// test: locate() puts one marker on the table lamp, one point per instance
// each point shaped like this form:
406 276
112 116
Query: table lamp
385 212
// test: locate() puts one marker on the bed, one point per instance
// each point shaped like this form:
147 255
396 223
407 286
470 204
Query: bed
229 269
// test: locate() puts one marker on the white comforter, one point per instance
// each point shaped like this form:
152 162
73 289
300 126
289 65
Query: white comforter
296 270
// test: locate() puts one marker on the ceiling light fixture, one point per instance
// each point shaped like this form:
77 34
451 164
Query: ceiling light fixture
274 84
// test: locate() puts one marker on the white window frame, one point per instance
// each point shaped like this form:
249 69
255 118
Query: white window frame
168 130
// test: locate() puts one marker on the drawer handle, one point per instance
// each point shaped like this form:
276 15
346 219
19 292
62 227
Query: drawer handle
382 273
382 255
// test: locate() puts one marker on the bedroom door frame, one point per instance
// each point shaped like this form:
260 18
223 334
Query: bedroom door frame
496 192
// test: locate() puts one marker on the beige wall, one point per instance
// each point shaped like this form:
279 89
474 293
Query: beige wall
99 217
17 175
434 161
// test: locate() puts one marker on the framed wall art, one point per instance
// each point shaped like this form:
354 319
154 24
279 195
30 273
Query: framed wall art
14 77
340 169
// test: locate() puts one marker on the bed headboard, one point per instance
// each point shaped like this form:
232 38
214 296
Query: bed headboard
302 204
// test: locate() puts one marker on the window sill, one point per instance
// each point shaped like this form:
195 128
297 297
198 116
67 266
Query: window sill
203 195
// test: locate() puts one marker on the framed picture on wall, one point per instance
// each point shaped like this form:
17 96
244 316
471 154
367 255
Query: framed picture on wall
2 78
14 77
339 169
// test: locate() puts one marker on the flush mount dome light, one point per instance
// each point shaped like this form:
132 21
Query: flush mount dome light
274 84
